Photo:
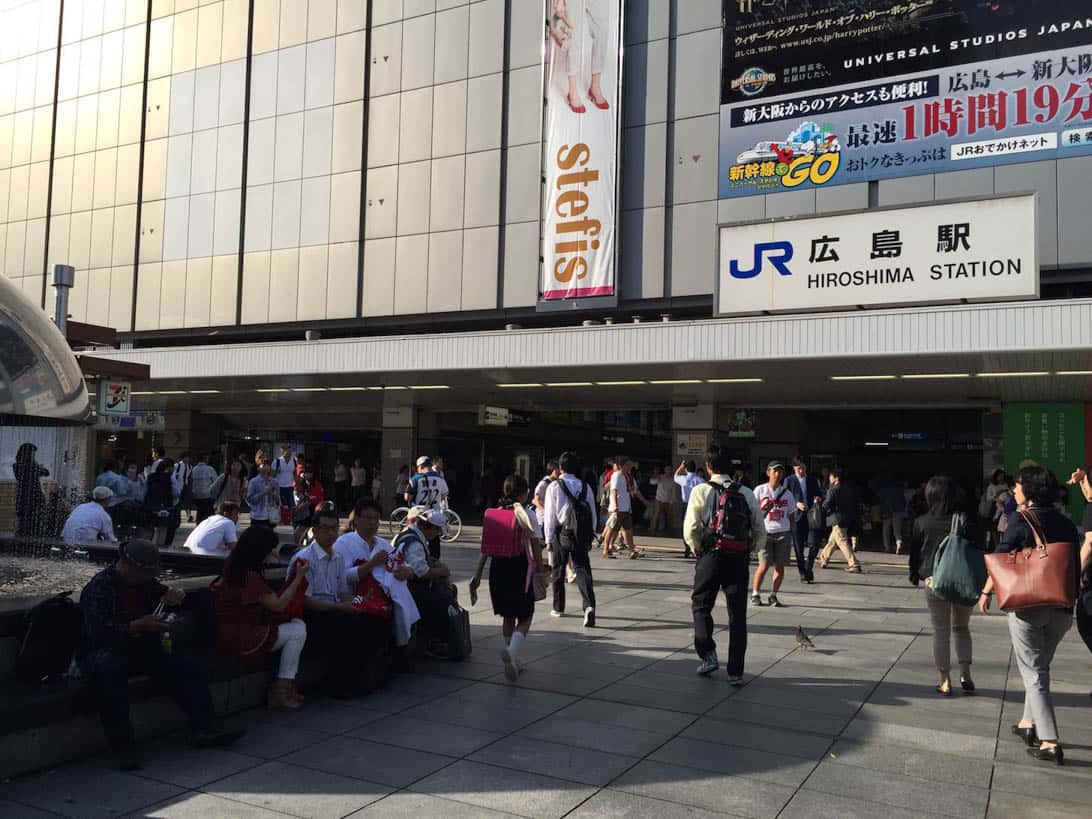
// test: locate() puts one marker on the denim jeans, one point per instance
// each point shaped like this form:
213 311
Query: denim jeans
107 675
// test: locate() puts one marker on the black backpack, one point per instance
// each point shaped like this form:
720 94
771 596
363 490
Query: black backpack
730 529
51 633
577 532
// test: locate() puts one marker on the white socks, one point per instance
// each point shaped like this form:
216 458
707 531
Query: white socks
514 643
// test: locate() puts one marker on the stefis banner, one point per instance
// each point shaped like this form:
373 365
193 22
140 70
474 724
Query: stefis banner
580 197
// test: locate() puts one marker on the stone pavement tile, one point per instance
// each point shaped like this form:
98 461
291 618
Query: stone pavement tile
268 740
201 805
422 684
657 720
793 719
414 805
1078 755
735 761
953 720
80 790
322 715
480 715
739 795
759 737
919 763
298 791
503 789
502 696
900 791
1012 806
609 804
563 761
373 761
421 735
13 810
825 696
540 678
690 703
953 743
685 685
1037 779
469 670
176 763
816 805
597 736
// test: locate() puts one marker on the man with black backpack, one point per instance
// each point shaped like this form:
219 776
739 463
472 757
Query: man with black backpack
723 523
570 524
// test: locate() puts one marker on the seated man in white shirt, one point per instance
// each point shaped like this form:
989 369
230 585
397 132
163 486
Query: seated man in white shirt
89 522
351 646
218 534
364 552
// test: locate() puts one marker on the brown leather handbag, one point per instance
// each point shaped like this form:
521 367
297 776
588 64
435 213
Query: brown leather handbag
1034 577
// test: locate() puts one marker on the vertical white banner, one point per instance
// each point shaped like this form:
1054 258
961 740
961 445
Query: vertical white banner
583 42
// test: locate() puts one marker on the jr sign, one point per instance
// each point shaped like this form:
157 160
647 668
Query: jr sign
983 250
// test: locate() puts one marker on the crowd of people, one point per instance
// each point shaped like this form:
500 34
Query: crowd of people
351 597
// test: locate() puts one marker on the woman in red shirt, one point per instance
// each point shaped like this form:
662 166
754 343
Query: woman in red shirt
252 621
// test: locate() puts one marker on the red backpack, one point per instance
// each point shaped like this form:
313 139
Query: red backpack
502 535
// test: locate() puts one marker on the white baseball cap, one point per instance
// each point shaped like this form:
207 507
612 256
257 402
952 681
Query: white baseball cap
101 493
424 460
427 515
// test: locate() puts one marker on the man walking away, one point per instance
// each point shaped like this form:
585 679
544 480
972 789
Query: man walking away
180 482
202 479
893 510
805 488
569 523
778 505
665 500
723 523
840 507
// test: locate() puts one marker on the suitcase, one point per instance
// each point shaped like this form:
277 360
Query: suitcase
458 626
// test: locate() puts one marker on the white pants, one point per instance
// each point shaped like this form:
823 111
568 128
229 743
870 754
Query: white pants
290 639
592 23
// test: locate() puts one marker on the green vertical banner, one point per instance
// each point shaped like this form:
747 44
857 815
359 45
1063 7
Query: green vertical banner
1049 435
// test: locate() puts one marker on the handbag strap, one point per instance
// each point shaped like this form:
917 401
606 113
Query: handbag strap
957 524
1032 521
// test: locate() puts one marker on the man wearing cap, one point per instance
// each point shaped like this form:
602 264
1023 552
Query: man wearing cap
410 550
778 506
123 634
90 522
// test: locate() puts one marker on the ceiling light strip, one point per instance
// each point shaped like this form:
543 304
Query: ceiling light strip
862 378
1034 374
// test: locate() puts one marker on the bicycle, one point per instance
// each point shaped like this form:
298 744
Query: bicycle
452 529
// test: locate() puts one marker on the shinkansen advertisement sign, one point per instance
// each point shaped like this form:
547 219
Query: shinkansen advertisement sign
862 90
979 250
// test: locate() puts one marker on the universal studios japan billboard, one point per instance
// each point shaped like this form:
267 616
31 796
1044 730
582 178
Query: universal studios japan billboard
816 93
580 153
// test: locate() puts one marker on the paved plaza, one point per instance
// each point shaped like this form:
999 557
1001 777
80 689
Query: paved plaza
614 722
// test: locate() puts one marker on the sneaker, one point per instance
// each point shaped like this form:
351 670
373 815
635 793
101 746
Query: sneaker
688 553
709 664
511 670
853 569
777 604
823 564
735 680
589 617
756 599
556 613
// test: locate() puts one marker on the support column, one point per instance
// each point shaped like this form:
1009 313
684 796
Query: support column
397 445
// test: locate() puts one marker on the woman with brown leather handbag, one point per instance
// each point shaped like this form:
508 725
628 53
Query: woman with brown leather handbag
1035 571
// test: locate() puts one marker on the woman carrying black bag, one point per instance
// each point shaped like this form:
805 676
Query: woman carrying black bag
1037 631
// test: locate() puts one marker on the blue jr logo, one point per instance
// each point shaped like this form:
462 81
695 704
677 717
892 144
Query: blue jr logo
779 254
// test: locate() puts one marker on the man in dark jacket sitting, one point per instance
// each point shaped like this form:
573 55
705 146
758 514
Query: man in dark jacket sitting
840 507
122 635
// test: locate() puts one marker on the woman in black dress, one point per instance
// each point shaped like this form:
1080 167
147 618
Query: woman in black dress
511 594
30 507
